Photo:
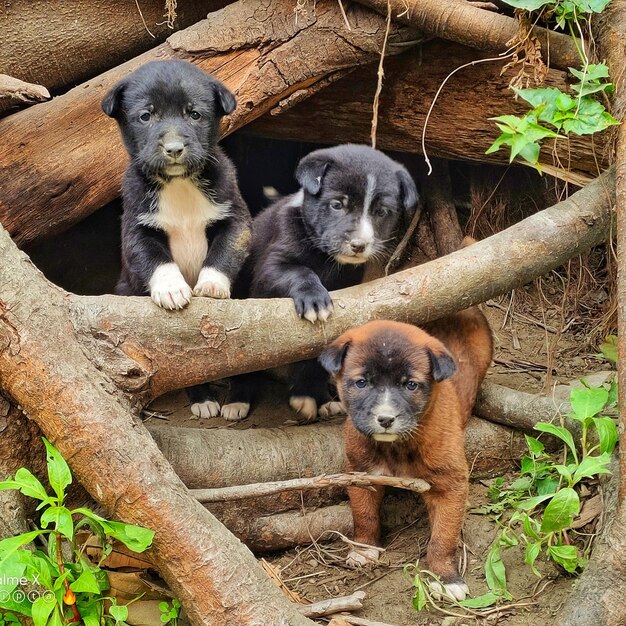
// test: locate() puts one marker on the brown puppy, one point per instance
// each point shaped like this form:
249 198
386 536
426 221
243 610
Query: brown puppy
408 394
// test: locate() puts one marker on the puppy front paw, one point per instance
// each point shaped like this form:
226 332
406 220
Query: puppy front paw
453 591
168 288
304 405
314 305
235 411
212 284
329 409
206 409
362 557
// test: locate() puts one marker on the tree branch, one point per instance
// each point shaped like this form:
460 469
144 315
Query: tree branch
147 351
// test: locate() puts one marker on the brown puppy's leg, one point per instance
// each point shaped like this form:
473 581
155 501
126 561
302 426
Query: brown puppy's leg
365 506
446 509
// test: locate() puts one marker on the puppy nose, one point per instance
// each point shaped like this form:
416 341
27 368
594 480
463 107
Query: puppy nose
385 420
173 148
357 245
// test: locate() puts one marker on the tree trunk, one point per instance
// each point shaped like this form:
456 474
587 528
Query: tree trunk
62 160
459 126
66 43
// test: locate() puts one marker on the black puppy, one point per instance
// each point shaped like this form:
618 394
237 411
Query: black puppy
185 226
348 211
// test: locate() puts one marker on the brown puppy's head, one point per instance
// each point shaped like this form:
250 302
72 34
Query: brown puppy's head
385 373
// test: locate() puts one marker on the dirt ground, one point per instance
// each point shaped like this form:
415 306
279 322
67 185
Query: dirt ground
532 354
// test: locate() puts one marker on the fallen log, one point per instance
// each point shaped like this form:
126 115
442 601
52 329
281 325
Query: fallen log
459 127
66 155
62 47
148 351
459 21
14 91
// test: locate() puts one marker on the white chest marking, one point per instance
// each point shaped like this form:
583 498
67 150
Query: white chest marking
183 212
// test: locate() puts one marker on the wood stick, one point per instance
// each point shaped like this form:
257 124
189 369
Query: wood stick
361 621
353 602
256 490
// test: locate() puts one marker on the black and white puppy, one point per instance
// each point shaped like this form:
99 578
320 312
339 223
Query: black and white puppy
348 211
185 227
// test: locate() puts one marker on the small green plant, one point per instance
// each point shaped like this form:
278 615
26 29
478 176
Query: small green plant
555 114
170 612
57 585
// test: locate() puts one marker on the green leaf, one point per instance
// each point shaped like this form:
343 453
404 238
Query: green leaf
62 519
592 466
558 431
480 602
608 435
588 402
521 484
534 445
613 392
27 483
547 486
608 348
118 612
56 619
532 552
91 612
134 537
531 527
420 599
561 510
41 609
531 503
566 556
86 582
58 470
495 572
9 546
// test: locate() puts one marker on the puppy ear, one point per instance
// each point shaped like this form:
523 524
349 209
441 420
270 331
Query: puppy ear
333 356
442 365
311 170
225 99
408 192
112 103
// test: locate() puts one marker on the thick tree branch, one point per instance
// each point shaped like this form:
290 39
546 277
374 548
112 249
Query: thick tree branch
457 20
148 351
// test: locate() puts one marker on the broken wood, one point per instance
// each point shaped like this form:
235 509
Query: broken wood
14 91
353 602
67 156
463 23
459 127
256 490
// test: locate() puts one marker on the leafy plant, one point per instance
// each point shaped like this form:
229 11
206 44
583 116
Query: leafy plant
63 585
170 612
555 114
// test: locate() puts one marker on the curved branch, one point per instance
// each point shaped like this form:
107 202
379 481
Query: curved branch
148 351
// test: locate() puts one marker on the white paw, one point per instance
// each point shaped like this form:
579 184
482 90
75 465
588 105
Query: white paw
168 288
328 409
320 315
206 409
453 591
235 411
362 557
212 284
304 405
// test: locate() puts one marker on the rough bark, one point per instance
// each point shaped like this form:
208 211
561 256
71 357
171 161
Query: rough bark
66 155
148 351
459 126
61 44
459 21
600 595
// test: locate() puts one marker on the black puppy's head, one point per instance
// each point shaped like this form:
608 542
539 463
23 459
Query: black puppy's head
353 198
385 372
168 113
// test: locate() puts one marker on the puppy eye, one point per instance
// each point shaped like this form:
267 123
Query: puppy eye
382 211
411 385
194 115
361 383
336 205
145 116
